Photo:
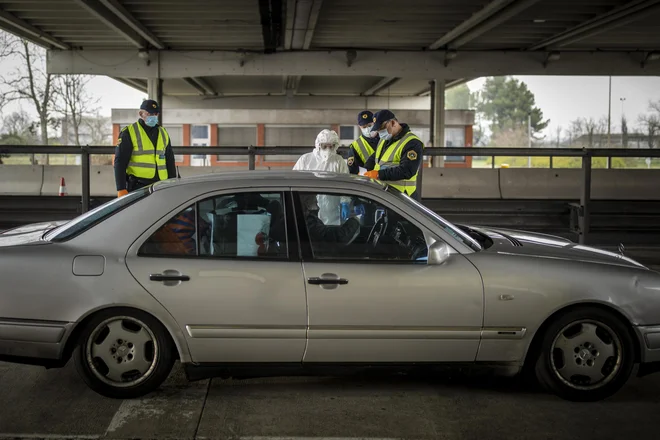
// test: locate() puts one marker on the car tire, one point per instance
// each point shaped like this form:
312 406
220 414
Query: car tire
124 353
586 355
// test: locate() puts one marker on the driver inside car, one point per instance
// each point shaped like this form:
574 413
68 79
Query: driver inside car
319 232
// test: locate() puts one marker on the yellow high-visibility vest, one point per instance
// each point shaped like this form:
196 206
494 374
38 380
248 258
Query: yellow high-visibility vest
146 158
363 149
392 157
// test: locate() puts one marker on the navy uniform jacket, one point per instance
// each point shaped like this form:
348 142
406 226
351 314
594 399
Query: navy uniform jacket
411 158
355 164
124 151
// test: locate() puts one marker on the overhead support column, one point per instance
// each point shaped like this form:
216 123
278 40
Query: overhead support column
155 92
439 119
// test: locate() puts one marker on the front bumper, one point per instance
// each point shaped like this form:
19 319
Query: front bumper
34 342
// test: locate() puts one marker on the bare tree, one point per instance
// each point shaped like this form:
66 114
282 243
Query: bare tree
590 128
30 82
99 129
73 102
624 132
559 131
18 129
651 125
575 130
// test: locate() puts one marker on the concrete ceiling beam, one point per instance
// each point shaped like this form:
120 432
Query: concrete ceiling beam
617 17
492 15
271 12
410 65
448 85
477 18
381 85
113 22
192 83
121 12
134 83
21 28
302 17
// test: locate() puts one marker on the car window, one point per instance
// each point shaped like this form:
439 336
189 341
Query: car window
95 216
243 225
449 228
366 230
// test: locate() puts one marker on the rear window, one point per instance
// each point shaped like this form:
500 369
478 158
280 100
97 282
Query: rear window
82 223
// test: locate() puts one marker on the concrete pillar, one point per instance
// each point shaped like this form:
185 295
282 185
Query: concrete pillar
439 120
152 88
155 92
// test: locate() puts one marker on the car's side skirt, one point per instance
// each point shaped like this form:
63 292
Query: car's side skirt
241 371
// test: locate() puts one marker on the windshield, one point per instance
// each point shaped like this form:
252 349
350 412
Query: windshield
82 223
448 227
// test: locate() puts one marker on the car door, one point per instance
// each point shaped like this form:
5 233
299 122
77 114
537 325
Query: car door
384 303
227 271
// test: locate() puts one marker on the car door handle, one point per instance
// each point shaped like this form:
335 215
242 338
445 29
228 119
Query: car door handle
162 277
326 281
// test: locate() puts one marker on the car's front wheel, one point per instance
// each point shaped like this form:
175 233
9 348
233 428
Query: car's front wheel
124 353
587 354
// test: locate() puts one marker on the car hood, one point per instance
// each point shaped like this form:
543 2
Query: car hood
516 242
27 234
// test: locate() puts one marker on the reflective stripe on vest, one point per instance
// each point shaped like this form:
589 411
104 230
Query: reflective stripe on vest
146 158
392 157
362 148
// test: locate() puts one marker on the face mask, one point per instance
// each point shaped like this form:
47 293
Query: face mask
366 131
325 154
384 135
151 121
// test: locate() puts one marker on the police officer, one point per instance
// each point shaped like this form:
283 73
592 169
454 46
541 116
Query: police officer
364 146
398 156
144 153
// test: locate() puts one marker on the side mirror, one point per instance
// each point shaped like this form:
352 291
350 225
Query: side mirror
439 252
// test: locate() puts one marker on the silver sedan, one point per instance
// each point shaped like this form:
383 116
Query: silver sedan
237 275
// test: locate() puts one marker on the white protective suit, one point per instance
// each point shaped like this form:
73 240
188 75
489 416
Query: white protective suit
325 160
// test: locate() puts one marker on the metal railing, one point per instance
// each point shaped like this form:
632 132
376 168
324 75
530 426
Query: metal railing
252 152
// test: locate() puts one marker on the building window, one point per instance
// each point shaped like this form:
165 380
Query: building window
455 137
347 132
199 131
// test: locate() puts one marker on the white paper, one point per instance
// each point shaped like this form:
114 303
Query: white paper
248 226
361 171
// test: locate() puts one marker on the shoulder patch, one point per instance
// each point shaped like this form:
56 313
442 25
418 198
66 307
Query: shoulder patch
412 155
351 160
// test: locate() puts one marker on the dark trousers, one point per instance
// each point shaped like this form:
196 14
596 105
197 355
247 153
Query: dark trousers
133 183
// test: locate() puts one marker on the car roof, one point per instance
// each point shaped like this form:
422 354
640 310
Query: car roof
287 177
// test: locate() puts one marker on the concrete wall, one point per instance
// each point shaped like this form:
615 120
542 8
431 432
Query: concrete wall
467 183
287 116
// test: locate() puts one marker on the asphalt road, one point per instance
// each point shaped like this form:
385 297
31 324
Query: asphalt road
40 403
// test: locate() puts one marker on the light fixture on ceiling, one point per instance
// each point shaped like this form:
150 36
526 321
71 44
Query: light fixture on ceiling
539 20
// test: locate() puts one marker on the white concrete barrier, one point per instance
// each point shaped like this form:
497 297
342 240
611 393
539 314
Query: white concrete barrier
21 180
511 183
72 178
464 183
540 183
102 180
619 184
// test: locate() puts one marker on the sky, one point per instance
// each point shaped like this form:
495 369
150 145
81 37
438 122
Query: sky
566 98
561 98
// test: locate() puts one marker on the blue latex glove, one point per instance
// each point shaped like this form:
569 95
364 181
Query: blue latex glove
345 211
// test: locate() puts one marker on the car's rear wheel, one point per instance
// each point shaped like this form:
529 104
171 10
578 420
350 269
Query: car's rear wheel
124 353
587 354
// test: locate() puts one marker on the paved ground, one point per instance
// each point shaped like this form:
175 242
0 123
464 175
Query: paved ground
39 403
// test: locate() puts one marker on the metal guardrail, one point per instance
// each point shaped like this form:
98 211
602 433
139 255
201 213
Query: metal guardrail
585 153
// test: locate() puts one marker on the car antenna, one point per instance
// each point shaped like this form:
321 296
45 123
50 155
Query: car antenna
178 175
